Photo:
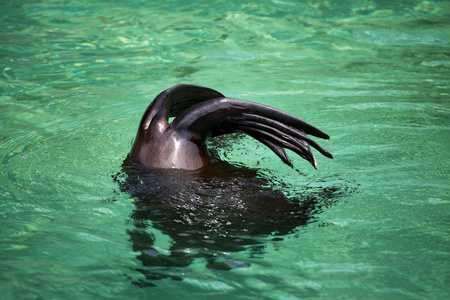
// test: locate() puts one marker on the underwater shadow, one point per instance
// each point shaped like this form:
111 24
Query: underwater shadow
219 208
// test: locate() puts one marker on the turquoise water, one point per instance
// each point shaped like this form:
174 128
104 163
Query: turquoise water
76 77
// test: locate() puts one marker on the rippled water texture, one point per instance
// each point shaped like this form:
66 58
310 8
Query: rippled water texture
373 223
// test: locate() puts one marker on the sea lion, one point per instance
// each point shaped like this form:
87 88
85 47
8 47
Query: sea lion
211 213
212 208
201 113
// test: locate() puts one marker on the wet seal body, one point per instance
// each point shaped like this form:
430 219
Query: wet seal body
216 211
210 208
201 113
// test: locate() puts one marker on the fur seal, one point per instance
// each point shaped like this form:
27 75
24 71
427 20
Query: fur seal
201 113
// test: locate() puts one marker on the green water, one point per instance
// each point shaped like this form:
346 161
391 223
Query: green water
76 77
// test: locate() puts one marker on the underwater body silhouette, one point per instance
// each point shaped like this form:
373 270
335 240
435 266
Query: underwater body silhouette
206 206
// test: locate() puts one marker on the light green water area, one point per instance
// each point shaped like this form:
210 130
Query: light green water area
77 75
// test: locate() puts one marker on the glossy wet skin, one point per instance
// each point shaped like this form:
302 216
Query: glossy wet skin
201 113
168 150
158 145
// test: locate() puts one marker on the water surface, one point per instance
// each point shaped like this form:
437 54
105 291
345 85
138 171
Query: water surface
76 77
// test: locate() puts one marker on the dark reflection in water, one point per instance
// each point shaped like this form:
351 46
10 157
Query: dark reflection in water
221 208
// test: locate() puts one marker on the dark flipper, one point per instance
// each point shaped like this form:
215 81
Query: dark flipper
177 99
272 127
